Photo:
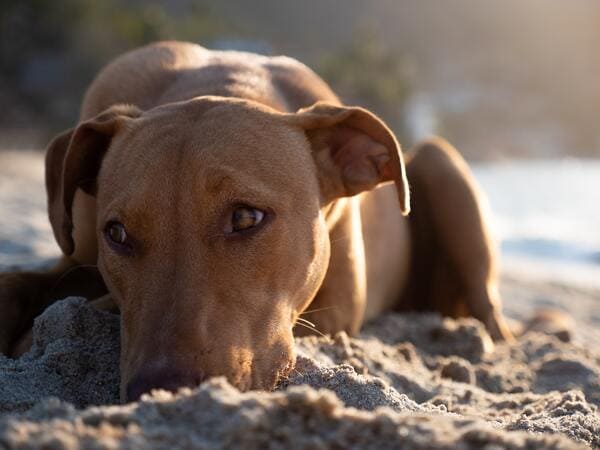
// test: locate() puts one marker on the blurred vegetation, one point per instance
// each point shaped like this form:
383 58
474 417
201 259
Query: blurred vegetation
496 78
367 73
50 51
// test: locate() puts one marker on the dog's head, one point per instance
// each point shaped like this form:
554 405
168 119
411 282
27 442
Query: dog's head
210 228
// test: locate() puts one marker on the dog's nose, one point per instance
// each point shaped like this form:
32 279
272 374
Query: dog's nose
164 378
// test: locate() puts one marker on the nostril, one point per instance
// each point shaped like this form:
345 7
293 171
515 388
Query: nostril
168 380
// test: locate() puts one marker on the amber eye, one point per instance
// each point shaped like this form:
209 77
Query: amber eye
116 232
245 217
117 237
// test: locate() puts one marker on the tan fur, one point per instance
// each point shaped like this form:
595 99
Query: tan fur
173 136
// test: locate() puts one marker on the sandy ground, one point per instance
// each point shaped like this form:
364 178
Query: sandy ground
406 382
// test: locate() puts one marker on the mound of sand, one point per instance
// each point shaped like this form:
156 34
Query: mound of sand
414 381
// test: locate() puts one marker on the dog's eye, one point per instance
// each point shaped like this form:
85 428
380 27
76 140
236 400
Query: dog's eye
245 217
116 232
116 235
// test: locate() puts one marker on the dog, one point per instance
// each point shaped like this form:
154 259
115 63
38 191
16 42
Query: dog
229 201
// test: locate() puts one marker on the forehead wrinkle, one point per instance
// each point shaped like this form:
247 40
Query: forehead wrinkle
137 176
216 183
229 178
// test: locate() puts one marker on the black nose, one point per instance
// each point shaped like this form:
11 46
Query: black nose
165 378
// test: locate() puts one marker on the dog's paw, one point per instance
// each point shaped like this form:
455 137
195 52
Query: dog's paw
497 327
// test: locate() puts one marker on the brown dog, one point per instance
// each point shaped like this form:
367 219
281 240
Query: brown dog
222 193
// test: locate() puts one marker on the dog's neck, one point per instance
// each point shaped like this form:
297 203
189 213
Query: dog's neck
334 211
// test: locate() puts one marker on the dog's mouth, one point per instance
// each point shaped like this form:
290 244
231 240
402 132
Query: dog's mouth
249 375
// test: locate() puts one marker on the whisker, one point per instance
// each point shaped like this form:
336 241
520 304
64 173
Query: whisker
317 310
311 328
307 322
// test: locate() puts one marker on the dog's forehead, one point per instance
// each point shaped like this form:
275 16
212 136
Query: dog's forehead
203 141
218 125
218 128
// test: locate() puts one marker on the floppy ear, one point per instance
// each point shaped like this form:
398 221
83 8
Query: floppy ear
354 151
73 160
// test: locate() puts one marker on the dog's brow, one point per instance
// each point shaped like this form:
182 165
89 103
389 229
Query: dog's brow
216 183
229 178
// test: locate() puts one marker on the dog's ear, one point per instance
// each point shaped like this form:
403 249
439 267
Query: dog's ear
73 160
354 151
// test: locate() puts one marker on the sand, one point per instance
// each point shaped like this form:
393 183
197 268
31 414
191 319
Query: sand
415 381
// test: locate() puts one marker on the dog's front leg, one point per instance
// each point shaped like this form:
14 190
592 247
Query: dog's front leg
22 297
454 257
25 295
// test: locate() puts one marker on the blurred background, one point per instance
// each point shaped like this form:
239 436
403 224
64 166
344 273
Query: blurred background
514 84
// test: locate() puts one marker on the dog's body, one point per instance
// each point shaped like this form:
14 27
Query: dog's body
247 202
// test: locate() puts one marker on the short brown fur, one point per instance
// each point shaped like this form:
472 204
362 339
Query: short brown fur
171 138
